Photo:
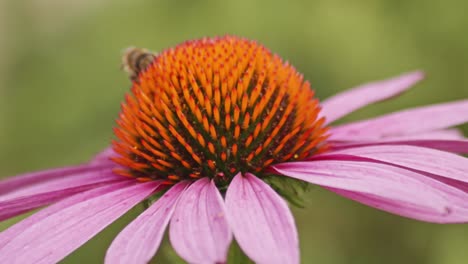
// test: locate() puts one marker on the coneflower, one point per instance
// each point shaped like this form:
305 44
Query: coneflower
209 127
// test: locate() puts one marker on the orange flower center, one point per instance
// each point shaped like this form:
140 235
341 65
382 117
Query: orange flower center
213 108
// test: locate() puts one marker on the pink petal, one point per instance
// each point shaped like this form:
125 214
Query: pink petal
456 146
83 178
63 227
30 180
348 101
261 221
138 242
447 134
407 122
104 157
432 161
17 206
199 231
402 187
404 209
15 230
28 197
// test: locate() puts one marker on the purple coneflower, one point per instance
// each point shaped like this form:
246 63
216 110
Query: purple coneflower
206 125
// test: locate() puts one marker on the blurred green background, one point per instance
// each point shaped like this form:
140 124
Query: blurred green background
61 86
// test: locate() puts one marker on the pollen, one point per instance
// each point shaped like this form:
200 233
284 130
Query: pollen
215 107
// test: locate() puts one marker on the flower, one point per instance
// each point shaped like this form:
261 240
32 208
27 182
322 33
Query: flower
206 125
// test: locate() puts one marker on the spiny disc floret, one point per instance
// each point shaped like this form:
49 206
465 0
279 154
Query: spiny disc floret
213 108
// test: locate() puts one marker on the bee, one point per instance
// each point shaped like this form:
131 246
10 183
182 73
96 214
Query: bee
135 60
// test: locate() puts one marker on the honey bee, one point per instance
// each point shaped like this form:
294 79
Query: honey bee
136 60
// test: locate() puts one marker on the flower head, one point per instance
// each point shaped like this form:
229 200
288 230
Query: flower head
206 125
214 108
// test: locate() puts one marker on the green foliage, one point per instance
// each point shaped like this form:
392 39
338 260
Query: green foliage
236 256
152 199
290 189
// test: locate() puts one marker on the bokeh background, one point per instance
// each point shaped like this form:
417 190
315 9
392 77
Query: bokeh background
61 85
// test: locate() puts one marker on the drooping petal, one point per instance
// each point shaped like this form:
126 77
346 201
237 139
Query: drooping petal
404 209
407 122
30 196
455 146
348 101
447 134
199 231
428 160
402 187
56 231
15 230
139 241
16 206
104 157
261 221
38 180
